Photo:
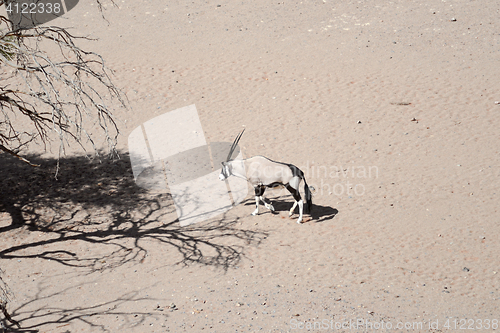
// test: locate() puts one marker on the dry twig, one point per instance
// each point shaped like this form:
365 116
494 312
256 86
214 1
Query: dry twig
61 88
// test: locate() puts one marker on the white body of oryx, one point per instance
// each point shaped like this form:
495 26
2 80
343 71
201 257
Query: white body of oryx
262 172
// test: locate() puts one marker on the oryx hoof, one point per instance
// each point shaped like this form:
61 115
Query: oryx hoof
271 208
255 212
290 213
299 221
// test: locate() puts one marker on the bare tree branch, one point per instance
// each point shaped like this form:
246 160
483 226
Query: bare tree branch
60 88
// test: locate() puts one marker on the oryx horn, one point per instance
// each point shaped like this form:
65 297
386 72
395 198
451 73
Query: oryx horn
233 146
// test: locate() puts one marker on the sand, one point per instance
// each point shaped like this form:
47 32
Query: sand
390 110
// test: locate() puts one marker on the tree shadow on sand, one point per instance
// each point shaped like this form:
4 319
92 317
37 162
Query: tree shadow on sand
97 317
98 203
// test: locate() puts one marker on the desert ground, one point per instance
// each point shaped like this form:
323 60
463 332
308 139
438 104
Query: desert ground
391 110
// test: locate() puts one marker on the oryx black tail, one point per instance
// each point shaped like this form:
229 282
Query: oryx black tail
307 192
298 173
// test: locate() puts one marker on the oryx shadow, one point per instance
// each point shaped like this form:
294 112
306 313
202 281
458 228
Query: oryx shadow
323 213
318 213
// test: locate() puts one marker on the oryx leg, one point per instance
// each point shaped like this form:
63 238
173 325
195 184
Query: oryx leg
290 213
259 192
296 196
267 205
301 209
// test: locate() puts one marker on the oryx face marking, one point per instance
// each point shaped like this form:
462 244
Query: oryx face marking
224 173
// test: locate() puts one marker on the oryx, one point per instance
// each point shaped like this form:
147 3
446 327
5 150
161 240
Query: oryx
262 172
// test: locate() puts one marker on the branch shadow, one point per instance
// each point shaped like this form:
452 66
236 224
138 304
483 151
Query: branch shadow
44 309
99 203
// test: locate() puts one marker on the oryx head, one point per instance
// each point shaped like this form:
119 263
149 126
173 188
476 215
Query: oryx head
226 166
